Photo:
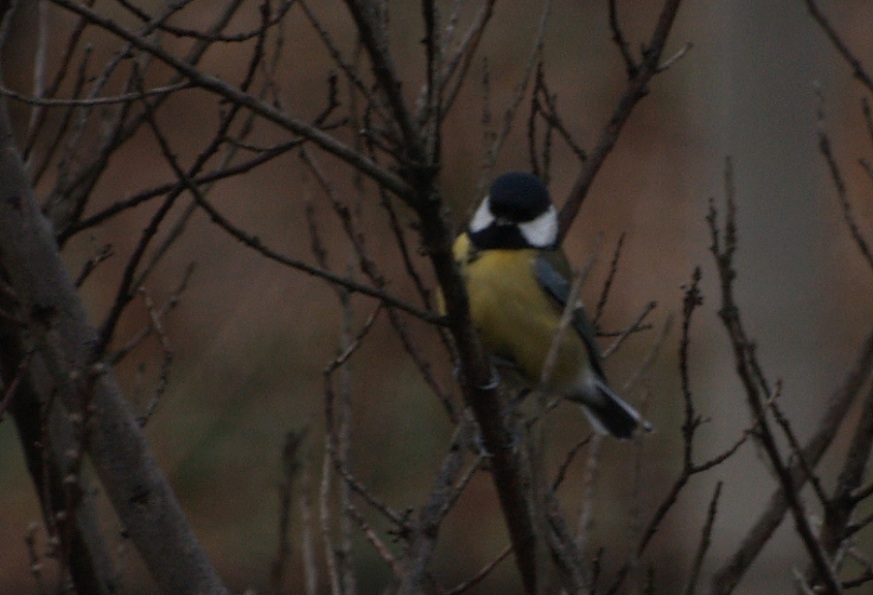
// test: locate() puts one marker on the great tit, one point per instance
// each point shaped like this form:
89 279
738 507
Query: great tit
517 279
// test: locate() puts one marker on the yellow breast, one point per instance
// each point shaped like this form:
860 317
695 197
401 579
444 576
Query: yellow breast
515 317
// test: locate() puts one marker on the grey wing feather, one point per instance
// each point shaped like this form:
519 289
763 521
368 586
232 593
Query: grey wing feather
558 287
609 413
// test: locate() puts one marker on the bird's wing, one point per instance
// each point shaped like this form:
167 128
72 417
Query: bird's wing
549 269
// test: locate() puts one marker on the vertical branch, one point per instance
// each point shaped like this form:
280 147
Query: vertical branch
585 523
842 505
729 574
748 371
39 61
343 452
374 38
430 113
824 146
637 88
290 467
47 436
692 421
337 412
486 399
705 541
61 333
310 570
534 58
325 508
425 530
825 25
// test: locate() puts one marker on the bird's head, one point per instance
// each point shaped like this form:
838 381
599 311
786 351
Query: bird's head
517 213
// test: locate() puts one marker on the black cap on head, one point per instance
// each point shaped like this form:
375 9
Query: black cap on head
516 214
518 197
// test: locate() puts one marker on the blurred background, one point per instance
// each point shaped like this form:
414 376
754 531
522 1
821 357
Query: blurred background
250 338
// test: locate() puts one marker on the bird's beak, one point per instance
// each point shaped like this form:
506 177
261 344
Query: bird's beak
503 222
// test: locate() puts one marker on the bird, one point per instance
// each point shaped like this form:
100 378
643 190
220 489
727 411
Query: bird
517 282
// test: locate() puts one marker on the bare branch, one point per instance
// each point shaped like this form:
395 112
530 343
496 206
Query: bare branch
836 527
705 541
291 463
825 25
255 243
607 285
493 151
457 65
36 100
211 37
838 404
691 423
374 539
824 146
630 64
794 444
141 197
374 39
136 487
235 96
425 530
482 574
636 326
747 370
637 88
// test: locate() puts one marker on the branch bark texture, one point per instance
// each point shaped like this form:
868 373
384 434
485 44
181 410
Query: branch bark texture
56 329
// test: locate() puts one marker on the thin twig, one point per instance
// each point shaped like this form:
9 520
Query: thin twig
456 66
585 522
607 285
291 463
837 41
374 539
723 250
36 100
482 574
637 88
691 423
636 326
235 96
270 21
12 387
424 531
256 244
705 541
840 508
838 405
493 151
143 196
630 65
794 444
92 263
824 146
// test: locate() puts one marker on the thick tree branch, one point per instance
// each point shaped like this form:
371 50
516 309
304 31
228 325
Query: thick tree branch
48 437
63 338
487 400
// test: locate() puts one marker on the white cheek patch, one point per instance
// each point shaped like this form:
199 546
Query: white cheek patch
542 232
482 218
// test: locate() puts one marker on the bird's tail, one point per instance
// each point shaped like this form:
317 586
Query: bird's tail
609 414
